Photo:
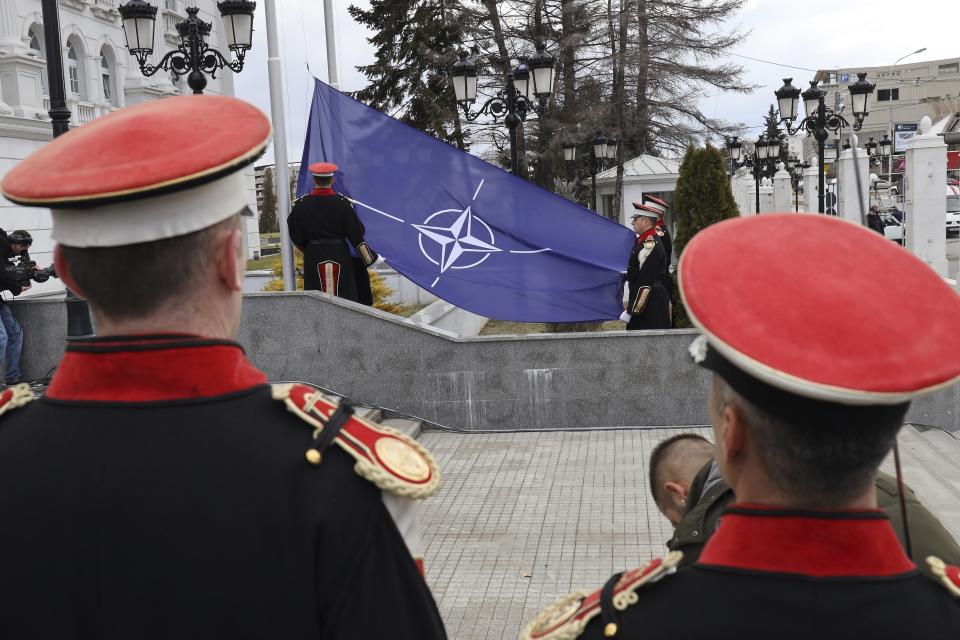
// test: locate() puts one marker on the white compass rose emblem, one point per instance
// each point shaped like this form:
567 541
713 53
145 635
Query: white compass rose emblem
456 240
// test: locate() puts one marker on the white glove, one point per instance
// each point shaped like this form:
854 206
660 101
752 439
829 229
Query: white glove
625 317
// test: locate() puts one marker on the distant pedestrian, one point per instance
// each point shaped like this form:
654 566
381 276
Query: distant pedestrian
874 221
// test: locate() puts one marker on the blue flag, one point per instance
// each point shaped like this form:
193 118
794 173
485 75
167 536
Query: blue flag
469 232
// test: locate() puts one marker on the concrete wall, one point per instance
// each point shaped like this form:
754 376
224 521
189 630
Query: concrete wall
489 382
440 314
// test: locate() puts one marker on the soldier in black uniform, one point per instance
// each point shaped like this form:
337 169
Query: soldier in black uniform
162 488
648 304
803 412
325 227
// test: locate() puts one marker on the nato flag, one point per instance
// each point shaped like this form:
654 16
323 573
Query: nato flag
469 232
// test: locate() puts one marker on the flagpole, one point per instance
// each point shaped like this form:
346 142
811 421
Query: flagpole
281 173
333 77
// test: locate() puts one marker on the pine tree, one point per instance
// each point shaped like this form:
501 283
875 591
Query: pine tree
702 197
268 210
416 42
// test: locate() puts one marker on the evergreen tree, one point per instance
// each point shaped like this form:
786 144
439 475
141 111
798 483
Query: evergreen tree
268 210
702 197
416 42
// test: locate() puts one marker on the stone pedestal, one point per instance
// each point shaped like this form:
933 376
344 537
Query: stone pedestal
810 184
782 190
21 81
751 198
738 187
853 182
925 198
766 196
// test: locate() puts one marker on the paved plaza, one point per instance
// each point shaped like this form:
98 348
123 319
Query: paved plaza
524 518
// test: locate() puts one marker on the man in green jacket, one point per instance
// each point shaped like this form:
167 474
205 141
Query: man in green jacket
687 486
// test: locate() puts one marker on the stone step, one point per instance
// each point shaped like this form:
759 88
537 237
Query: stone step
934 476
370 413
410 427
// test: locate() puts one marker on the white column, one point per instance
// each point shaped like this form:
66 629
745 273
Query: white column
853 178
94 79
739 190
10 41
926 199
751 191
811 184
782 190
766 196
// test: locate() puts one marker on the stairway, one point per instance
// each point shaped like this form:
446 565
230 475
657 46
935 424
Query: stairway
930 459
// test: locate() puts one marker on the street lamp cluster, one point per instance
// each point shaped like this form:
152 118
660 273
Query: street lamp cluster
764 150
193 57
820 119
879 151
603 149
528 88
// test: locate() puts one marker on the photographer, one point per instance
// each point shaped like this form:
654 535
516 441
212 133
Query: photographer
15 279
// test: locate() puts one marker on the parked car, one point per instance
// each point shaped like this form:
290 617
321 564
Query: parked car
953 215
892 228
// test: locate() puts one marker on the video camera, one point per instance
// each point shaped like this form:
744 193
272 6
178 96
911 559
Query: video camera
22 268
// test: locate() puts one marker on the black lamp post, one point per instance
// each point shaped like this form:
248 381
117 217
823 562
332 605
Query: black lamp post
529 86
735 149
796 175
193 57
78 313
819 118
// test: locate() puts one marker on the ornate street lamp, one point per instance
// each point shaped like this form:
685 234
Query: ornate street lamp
599 146
528 88
193 57
570 151
819 119
600 151
871 147
611 148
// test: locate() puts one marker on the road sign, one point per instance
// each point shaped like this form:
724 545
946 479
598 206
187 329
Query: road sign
903 131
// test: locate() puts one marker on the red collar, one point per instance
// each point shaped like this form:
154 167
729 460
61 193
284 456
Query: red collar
811 543
660 223
326 191
151 369
646 234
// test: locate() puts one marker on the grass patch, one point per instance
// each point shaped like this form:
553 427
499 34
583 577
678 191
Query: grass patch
506 328
267 262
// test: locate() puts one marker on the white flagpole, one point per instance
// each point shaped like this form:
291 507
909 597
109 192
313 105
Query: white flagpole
281 182
333 76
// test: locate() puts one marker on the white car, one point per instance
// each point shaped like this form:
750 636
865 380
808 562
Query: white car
953 213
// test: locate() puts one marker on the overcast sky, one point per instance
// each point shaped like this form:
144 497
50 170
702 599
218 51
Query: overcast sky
813 34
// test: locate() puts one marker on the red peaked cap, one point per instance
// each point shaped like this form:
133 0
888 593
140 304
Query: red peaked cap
821 308
160 146
655 199
644 210
323 169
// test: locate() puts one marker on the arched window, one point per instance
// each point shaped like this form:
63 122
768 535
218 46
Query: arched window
73 70
108 75
37 44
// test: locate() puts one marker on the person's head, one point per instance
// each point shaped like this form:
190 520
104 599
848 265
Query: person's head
150 234
20 240
824 457
874 208
807 397
673 465
323 174
644 218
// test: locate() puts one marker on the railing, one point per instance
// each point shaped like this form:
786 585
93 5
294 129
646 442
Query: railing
106 5
170 22
82 111
46 103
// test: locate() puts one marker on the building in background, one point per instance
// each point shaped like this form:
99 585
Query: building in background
904 94
643 174
99 77
260 174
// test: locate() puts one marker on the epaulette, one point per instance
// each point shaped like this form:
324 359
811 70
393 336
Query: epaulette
649 243
16 396
949 574
392 460
567 618
660 231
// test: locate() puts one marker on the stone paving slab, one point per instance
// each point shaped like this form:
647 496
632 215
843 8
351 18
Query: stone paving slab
524 518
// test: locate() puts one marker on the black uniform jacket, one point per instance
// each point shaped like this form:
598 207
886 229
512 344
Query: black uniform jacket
928 536
649 302
325 215
789 575
158 491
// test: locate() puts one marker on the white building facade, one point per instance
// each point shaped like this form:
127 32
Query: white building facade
99 77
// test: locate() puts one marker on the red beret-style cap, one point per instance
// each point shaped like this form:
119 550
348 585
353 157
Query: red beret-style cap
647 199
821 308
323 169
644 210
146 172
